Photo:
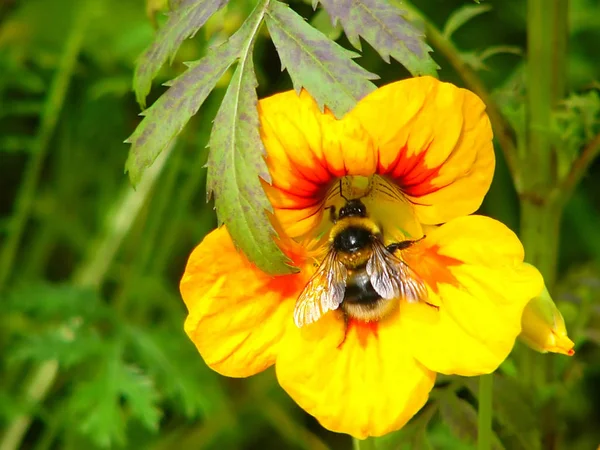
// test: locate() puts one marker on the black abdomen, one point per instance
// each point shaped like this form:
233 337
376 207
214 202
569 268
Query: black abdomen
360 290
352 239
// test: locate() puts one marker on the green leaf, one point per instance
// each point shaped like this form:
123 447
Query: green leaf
461 419
316 63
236 161
575 123
68 344
179 374
461 16
102 404
384 27
140 396
165 119
188 17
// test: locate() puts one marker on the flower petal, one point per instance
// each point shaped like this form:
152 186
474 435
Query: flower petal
237 314
364 382
306 151
435 141
474 268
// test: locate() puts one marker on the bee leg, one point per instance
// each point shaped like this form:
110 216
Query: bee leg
402 245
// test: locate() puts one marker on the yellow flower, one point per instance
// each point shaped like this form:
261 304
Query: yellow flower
427 147
544 327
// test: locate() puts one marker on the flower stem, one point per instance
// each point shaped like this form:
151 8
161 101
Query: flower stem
484 413
363 444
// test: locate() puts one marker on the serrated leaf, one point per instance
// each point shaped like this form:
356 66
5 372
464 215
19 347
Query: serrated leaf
140 396
316 63
165 119
462 15
167 358
69 345
236 161
95 405
187 18
384 27
461 419
101 403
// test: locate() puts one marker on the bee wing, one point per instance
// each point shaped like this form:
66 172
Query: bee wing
323 292
391 277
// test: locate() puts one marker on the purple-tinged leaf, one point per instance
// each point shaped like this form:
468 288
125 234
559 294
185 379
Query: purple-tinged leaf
316 63
165 119
384 27
236 162
186 19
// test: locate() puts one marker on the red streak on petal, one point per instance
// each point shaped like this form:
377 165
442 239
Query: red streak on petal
431 266
362 329
571 352
411 174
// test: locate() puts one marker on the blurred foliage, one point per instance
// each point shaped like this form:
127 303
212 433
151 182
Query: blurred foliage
94 355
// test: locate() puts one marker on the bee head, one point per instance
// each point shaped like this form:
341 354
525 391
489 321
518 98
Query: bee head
353 208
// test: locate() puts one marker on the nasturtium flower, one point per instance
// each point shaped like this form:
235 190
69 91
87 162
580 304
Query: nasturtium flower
420 154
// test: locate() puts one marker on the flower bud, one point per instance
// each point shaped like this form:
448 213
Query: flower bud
543 326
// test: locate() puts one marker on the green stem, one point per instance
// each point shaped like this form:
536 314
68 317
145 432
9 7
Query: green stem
540 230
484 413
541 204
543 91
364 444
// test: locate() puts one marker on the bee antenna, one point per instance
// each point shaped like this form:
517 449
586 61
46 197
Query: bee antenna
342 192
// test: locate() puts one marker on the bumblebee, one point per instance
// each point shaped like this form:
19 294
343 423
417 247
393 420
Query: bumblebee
359 274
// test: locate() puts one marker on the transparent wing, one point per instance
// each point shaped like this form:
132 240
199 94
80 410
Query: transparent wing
323 292
392 278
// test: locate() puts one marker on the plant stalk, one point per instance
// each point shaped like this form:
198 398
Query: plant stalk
364 444
484 412
541 207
